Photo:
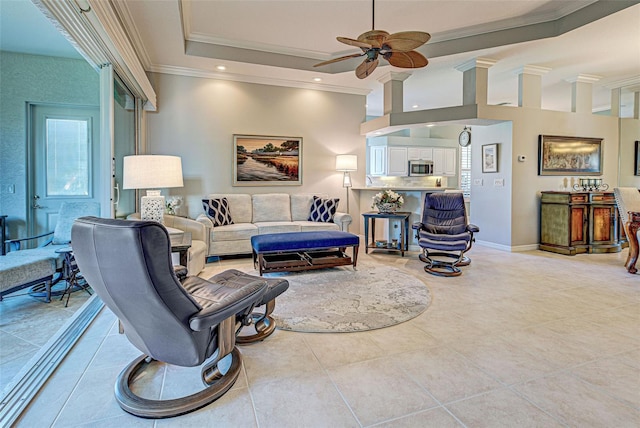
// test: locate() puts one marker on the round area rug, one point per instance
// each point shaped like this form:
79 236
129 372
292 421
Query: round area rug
343 300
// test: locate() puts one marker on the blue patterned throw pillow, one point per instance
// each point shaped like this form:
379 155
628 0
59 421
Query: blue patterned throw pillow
218 211
323 210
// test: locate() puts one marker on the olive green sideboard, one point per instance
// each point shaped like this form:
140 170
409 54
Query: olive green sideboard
579 222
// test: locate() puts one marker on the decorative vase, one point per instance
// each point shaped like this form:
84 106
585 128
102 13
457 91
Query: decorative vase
387 207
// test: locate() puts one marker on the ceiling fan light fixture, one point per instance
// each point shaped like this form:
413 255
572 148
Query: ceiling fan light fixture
397 49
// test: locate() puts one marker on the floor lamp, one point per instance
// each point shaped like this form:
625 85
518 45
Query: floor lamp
346 163
152 172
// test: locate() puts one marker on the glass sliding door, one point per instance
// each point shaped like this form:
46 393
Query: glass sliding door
125 113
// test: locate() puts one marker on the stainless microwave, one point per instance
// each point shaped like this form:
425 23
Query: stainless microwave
418 168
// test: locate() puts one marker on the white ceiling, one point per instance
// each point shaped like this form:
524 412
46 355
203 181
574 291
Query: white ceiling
277 42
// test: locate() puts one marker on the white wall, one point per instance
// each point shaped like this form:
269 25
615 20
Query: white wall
197 118
491 205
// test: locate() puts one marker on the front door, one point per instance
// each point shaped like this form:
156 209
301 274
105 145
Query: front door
64 161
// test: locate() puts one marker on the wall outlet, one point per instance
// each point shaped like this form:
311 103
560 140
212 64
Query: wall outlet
477 181
498 182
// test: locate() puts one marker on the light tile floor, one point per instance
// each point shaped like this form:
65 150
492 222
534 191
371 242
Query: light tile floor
519 340
27 324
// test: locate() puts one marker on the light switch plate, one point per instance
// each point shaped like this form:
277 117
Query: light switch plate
498 182
477 181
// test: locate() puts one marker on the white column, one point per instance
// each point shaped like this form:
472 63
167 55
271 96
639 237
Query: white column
475 80
581 92
393 91
530 85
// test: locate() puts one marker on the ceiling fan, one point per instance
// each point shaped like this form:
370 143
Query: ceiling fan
397 48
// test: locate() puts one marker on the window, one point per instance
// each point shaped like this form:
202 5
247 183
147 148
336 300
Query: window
465 171
68 148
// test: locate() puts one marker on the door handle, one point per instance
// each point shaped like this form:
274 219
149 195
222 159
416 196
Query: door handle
36 206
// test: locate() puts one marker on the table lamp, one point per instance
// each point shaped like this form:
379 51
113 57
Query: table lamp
152 172
346 163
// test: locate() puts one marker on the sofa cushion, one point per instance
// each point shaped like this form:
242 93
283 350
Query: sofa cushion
276 227
310 226
239 205
218 211
233 232
323 209
271 207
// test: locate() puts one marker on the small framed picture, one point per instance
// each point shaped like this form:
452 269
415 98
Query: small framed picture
637 158
490 158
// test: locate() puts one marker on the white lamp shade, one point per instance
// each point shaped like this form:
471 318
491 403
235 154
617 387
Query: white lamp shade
152 172
346 163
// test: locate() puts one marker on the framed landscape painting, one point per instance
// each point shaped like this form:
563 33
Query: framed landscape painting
267 161
569 155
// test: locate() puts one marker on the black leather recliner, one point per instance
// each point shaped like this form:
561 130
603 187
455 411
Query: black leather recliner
128 264
444 233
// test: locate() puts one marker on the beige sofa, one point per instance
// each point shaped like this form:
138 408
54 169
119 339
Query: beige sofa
260 214
197 254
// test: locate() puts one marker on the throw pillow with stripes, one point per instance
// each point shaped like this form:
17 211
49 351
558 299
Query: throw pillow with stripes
218 211
323 210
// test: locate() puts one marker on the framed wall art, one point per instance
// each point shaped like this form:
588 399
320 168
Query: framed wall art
637 159
490 158
569 155
267 161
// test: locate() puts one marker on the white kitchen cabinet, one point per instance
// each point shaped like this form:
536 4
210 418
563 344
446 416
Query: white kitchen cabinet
397 164
377 160
444 161
419 153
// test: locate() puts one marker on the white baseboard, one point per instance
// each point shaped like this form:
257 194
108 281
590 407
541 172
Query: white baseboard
508 248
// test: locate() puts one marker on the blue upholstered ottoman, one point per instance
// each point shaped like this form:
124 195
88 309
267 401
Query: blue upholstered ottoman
297 251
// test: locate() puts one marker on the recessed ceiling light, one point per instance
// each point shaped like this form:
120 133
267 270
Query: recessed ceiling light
317 79
415 106
377 133
429 125
221 67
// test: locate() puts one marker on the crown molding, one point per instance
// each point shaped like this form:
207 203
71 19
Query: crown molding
630 83
235 77
476 63
129 26
583 78
532 69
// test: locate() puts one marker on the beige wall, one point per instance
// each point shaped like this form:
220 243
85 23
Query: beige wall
526 184
197 118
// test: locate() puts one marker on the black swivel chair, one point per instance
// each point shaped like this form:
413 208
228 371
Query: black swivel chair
128 264
444 233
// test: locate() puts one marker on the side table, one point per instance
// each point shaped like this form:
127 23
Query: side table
180 244
370 217
71 274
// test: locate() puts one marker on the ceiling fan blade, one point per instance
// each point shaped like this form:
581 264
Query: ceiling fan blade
342 58
406 40
411 59
374 38
352 42
366 68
